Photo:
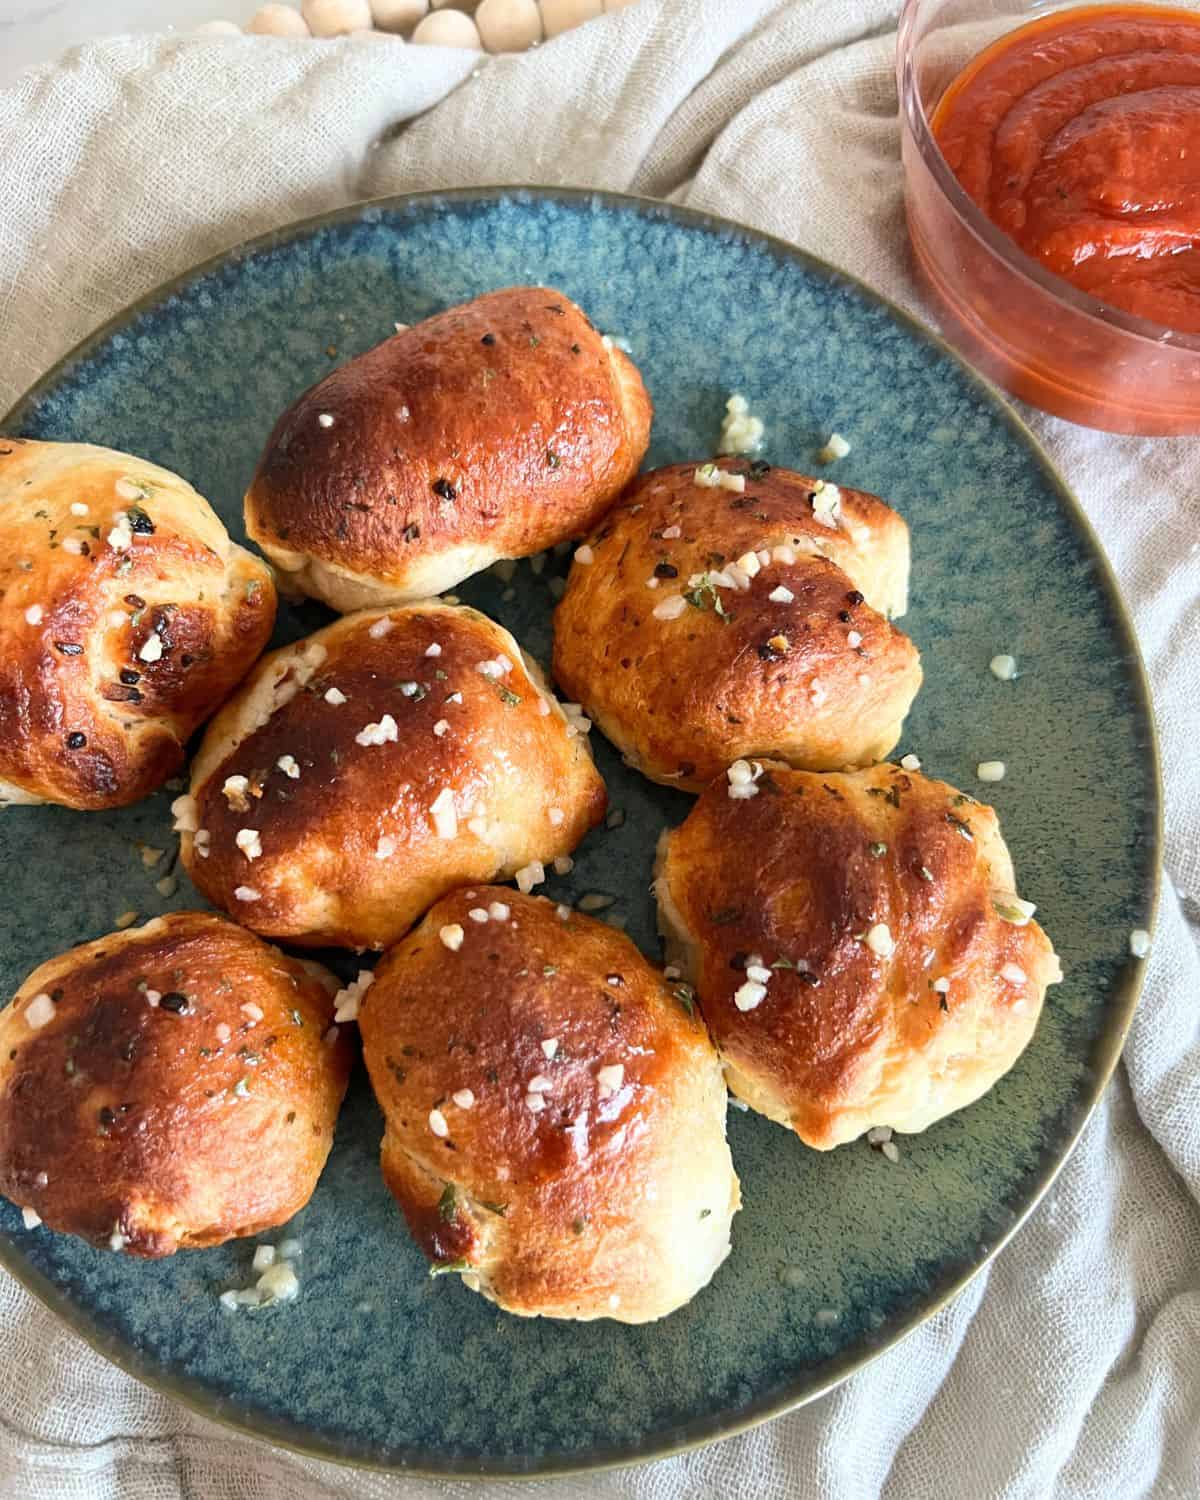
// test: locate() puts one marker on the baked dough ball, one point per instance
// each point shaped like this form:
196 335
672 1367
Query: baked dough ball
703 623
859 951
169 1087
364 771
555 1111
490 431
126 616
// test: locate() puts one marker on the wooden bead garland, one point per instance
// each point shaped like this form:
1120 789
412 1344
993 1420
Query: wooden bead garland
509 25
398 15
336 17
446 28
278 20
494 25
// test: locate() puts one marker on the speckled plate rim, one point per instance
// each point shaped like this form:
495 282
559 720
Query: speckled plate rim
1107 1048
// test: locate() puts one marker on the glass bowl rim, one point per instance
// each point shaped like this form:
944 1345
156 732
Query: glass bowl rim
1001 247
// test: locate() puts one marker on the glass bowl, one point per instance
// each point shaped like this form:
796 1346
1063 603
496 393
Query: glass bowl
1028 330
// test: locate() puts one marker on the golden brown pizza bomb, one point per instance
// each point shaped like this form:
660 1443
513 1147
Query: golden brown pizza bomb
492 430
126 616
555 1110
359 774
169 1087
732 609
860 953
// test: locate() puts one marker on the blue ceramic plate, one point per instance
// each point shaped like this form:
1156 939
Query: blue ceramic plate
835 1256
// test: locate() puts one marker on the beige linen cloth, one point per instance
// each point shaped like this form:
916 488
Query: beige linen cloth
1071 1367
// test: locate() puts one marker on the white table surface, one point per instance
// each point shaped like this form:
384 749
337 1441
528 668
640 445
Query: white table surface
33 31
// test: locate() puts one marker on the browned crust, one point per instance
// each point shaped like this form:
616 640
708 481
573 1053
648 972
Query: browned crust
548 1208
789 875
318 876
685 697
212 606
122 1116
439 439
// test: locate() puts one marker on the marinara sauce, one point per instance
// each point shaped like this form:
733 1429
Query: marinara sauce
1079 136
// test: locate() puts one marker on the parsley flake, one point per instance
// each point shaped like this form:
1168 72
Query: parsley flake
686 996
705 596
450 1267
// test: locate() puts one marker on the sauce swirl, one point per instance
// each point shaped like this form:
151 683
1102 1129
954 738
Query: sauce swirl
1079 136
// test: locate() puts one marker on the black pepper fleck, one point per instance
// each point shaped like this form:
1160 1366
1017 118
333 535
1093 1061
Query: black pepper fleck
444 490
175 1002
75 740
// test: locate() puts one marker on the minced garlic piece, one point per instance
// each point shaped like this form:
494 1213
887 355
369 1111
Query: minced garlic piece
826 503
740 431
836 447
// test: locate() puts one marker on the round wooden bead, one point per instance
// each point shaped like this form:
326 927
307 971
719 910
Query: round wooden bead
336 17
278 20
509 25
398 15
447 28
562 15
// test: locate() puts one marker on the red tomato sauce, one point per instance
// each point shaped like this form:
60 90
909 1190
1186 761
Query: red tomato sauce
1079 136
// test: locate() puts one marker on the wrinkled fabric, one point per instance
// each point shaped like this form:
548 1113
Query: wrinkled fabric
1071 1367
